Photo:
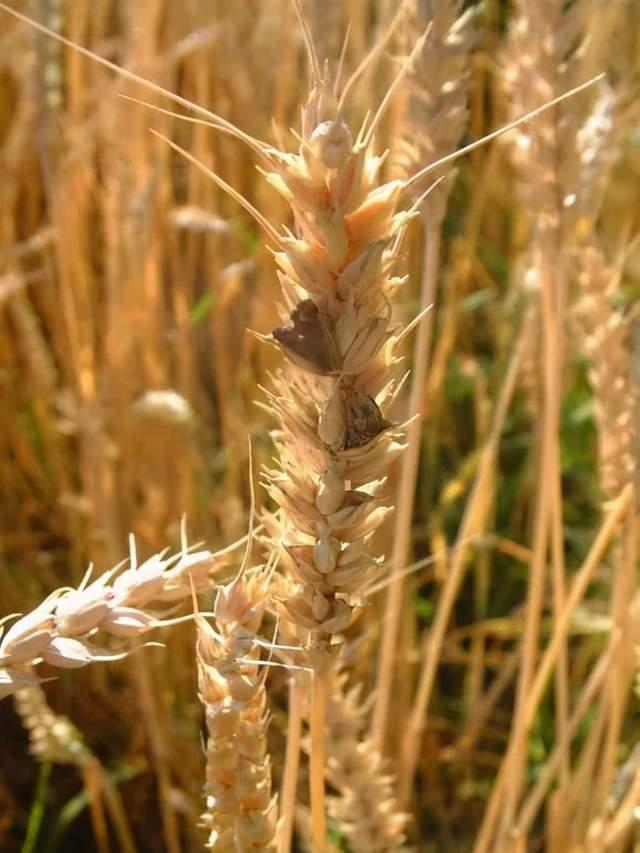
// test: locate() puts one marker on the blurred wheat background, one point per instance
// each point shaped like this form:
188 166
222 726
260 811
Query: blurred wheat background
487 690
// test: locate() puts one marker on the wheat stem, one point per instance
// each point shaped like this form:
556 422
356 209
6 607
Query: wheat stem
475 516
406 488
288 790
617 511
317 762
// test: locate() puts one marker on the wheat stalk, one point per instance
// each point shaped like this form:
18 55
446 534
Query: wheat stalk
431 125
544 53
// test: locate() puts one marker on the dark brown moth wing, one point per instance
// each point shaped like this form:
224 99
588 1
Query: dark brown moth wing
364 419
309 341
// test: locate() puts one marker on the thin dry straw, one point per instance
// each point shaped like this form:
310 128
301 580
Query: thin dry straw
434 119
473 521
616 513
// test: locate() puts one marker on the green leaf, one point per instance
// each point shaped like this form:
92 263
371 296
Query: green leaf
202 308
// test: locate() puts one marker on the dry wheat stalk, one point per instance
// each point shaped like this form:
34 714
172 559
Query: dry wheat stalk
240 812
59 631
544 52
561 162
431 125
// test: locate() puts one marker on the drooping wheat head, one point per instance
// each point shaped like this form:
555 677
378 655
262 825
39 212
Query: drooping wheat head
60 631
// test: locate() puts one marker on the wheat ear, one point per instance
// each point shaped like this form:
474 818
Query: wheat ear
605 342
240 811
53 738
365 808
60 630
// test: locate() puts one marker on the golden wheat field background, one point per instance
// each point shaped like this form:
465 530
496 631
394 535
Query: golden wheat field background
319 512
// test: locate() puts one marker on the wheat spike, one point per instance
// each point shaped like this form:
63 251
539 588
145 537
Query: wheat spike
605 342
365 809
240 810
60 630
334 440
53 737
435 113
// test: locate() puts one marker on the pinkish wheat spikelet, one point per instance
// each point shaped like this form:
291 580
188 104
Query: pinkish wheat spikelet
240 810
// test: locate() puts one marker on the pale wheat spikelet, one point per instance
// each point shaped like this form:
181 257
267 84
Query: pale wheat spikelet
365 808
563 157
53 737
61 629
435 114
334 440
605 342
240 809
